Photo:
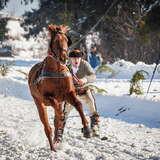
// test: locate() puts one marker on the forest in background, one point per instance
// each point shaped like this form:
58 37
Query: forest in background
130 30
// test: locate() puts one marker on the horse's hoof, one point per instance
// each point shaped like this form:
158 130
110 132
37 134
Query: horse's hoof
95 134
53 148
57 145
95 131
86 132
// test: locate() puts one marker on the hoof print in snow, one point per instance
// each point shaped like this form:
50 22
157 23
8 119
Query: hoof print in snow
104 138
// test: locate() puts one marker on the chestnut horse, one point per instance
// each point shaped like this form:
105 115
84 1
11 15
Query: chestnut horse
51 84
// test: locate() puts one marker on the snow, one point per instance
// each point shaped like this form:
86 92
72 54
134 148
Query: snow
129 125
33 47
18 8
15 30
92 39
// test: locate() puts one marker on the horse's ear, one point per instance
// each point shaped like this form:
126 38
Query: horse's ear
51 27
64 28
67 28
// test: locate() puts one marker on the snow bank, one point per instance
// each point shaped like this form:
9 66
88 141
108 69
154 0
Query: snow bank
16 88
125 69
22 137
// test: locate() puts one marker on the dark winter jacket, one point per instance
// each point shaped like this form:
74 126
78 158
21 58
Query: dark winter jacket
94 60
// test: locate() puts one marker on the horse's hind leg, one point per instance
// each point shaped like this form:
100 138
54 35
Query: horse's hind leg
73 100
42 110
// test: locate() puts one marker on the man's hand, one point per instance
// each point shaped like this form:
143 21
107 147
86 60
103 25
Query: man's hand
79 82
83 80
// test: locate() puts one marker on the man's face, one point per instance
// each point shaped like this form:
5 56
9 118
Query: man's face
93 49
75 61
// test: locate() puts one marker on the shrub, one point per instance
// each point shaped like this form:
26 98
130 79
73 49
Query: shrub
135 86
95 88
4 69
105 68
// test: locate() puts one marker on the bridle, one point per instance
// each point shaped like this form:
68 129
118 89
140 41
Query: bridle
54 51
54 55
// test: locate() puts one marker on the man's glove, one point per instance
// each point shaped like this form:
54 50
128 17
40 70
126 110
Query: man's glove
77 82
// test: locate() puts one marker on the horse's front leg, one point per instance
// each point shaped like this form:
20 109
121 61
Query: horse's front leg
73 100
58 124
42 110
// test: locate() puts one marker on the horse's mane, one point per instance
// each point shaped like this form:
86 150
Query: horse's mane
58 29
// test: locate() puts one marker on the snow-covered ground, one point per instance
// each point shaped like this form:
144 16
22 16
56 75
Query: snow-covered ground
130 125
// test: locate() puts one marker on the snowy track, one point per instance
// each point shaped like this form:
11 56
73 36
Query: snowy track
129 125
22 137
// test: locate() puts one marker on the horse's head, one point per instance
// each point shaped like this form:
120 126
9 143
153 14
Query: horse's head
59 41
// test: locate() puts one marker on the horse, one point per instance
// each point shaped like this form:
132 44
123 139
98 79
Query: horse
51 84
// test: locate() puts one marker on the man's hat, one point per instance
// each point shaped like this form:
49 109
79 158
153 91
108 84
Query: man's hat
93 46
76 53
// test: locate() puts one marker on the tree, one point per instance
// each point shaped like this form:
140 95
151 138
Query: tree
3 3
3 29
129 31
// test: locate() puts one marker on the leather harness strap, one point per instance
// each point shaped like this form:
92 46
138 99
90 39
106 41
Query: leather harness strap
49 74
